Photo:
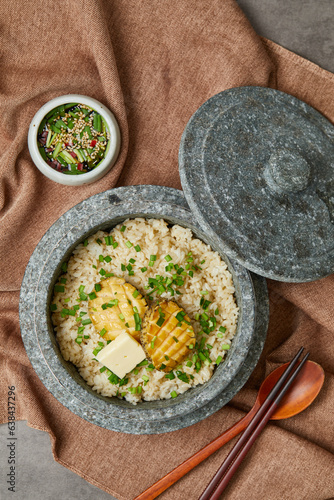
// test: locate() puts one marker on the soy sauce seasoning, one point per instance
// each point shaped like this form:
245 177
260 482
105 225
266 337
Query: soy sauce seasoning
73 139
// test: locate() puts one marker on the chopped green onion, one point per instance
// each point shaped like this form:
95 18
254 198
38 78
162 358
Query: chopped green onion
101 258
225 347
143 269
85 243
189 363
170 376
59 288
64 267
180 315
107 258
204 292
191 346
53 307
92 295
103 332
166 357
103 369
137 248
175 339
168 258
160 321
121 316
135 294
86 321
97 287
83 296
113 379
128 244
98 349
108 240
143 363
173 394
222 329
123 228
218 360
98 241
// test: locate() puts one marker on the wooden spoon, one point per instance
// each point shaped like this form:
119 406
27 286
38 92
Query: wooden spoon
302 393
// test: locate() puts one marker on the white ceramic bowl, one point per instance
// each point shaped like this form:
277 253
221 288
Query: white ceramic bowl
99 171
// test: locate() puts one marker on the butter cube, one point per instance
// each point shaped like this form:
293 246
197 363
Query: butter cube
122 354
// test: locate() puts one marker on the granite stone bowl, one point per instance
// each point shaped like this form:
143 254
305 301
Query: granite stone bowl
102 212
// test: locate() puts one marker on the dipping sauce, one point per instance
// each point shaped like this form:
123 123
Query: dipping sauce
73 139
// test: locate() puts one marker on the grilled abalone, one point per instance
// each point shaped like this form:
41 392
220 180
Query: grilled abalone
118 306
167 334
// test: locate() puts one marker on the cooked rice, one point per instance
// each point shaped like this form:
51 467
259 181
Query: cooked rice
155 237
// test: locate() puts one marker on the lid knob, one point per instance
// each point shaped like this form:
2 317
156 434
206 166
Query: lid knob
287 172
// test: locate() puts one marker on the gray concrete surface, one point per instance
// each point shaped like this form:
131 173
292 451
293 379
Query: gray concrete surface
303 26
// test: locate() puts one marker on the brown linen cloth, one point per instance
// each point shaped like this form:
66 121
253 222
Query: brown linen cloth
153 64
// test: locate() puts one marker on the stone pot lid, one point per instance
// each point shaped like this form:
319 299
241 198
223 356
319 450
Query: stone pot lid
257 170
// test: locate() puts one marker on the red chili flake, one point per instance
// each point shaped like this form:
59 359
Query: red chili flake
92 144
72 153
80 166
67 144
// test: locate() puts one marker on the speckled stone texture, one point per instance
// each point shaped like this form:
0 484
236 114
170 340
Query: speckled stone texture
257 171
104 211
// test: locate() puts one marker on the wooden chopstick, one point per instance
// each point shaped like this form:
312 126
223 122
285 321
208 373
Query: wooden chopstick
243 445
